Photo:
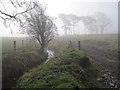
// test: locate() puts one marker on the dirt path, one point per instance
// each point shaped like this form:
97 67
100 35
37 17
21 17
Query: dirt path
105 58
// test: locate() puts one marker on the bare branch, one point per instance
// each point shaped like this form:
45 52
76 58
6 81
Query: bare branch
13 3
28 9
7 14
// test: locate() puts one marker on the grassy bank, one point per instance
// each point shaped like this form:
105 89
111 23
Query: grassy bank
13 66
72 69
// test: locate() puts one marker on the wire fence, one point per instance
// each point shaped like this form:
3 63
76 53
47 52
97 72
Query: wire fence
17 44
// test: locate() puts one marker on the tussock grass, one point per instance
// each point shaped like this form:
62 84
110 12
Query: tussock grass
13 66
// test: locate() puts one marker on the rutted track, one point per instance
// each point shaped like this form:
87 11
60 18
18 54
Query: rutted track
105 58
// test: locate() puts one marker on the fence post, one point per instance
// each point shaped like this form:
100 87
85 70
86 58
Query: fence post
26 42
79 45
22 44
30 43
14 45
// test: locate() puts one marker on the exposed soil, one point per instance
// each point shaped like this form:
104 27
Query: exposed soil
108 59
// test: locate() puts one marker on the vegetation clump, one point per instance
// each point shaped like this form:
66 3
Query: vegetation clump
85 62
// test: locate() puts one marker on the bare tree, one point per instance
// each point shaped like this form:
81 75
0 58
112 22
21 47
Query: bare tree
103 21
89 23
11 11
70 23
74 20
66 23
40 25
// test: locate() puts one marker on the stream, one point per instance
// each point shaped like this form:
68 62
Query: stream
50 55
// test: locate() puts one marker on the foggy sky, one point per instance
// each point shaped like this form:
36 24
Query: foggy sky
55 7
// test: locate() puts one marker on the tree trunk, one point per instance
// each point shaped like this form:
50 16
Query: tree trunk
65 31
73 30
42 51
102 30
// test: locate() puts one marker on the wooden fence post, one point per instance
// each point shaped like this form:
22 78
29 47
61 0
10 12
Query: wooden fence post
14 45
22 44
30 43
26 42
79 45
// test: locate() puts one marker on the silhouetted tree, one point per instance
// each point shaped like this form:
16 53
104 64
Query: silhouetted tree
102 20
66 23
39 25
74 20
89 23
70 23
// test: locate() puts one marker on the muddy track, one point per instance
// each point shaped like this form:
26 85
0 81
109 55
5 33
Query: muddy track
106 58
102 57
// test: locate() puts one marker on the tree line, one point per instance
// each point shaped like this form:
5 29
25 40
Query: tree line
96 24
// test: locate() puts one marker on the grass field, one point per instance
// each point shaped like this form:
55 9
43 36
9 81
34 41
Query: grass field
105 41
7 44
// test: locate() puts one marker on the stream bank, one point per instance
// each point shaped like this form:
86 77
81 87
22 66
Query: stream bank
14 66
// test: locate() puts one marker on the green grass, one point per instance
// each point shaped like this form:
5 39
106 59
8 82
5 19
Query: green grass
59 44
105 41
7 44
14 66
64 71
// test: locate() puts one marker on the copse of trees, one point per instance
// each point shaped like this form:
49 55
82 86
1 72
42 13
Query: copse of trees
89 23
66 24
103 21
92 24
70 23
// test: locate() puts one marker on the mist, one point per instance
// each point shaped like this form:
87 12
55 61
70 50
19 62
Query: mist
59 44
78 8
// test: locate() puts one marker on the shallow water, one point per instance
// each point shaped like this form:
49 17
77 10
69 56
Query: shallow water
50 55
